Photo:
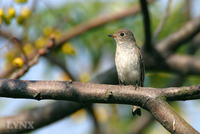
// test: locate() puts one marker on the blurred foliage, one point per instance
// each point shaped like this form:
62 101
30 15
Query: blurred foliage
79 116
176 19
21 1
85 77
39 25
67 48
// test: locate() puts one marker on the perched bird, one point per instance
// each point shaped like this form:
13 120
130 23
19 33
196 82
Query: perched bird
129 61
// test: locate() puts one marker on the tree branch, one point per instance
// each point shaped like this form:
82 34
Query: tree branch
109 77
184 34
93 93
17 74
96 22
188 9
61 65
40 116
141 123
193 47
91 111
147 26
164 114
150 99
162 22
5 34
184 64
29 63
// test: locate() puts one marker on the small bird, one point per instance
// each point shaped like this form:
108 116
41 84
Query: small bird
129 61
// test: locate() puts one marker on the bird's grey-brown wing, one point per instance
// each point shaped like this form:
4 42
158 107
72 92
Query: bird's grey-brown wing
142 71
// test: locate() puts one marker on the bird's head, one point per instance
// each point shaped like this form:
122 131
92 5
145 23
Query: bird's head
123 35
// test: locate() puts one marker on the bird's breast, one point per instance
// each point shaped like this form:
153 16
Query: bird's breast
128 65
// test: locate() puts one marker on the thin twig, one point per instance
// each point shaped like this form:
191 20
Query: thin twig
162 22
188 9
6 34
140 124
19 45
61 65
91 111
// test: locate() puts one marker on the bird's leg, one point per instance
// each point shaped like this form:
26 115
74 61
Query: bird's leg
121 83
136 85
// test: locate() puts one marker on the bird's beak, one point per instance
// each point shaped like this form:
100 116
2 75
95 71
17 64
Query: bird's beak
111 35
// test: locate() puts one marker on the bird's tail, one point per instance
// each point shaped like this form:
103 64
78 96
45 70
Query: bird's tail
136 110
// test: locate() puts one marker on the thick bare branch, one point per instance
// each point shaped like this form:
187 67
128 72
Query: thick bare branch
146 97
88 92
164 114
142 123
63 106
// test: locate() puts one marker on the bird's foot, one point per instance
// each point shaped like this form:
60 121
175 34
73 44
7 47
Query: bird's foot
136 86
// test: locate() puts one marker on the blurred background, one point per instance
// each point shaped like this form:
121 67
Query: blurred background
85 56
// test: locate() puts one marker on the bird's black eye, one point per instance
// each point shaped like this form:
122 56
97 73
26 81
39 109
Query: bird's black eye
122 34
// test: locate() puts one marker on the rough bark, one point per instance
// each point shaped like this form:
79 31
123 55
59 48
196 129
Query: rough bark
151 99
